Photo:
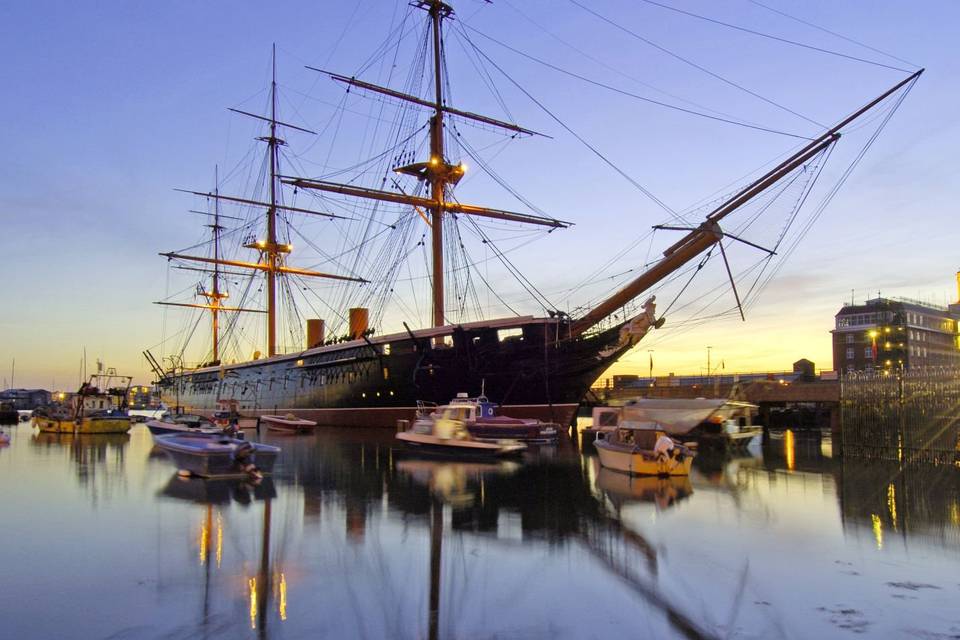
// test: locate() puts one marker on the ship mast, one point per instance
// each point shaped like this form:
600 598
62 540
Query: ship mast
215 296
272 248
437 171
272 252
438 182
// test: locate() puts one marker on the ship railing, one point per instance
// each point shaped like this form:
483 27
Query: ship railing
425 408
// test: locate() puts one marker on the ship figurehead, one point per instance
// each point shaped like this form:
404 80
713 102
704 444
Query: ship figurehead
635 329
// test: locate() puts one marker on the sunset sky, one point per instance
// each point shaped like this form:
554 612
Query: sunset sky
109 106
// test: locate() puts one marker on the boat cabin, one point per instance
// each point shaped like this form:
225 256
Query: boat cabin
639 436
467 409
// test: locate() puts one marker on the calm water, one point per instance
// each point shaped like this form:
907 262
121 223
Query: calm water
352 539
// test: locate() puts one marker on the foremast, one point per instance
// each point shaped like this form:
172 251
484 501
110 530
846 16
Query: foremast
272 259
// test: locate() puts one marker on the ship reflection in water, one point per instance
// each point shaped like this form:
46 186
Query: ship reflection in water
352 537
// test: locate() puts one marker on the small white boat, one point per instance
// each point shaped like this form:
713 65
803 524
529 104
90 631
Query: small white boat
183 424
643 450
480 418
288 423
446 436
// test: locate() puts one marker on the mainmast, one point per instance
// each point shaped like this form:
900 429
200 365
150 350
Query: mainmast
438 181
437 171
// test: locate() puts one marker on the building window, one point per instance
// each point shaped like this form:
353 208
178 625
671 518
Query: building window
849 338
850 354
868 352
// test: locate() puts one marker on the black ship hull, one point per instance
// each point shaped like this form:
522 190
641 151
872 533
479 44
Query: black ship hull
527 365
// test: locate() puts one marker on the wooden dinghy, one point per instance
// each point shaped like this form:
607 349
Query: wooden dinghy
288 423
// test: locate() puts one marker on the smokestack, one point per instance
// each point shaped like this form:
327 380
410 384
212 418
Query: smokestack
314 332
359 320
958 287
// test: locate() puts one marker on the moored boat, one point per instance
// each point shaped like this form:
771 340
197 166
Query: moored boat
643 450
676 416
100 406
288 423
481 421
447 435
217 457
183 424
107 421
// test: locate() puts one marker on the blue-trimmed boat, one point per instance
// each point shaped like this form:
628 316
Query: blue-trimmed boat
208 457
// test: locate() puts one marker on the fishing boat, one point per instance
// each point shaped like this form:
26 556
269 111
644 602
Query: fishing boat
217 457
447 435
481 421
400 209
288 423
99 406
643 450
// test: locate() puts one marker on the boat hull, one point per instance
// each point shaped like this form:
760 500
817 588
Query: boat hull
119 424
534 375
538 433
208 458
160 428
285 425
640 463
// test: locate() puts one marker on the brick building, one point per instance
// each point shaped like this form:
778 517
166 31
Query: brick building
892 333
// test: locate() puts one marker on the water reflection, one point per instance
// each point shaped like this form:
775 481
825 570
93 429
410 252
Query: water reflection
98 461
354 538
622 489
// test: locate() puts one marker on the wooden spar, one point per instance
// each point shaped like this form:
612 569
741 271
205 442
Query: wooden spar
257 203
692 245
469 115
259 266
279 123
709 233
209 306
425 203
765 181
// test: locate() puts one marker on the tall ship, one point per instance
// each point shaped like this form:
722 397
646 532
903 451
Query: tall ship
345 370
